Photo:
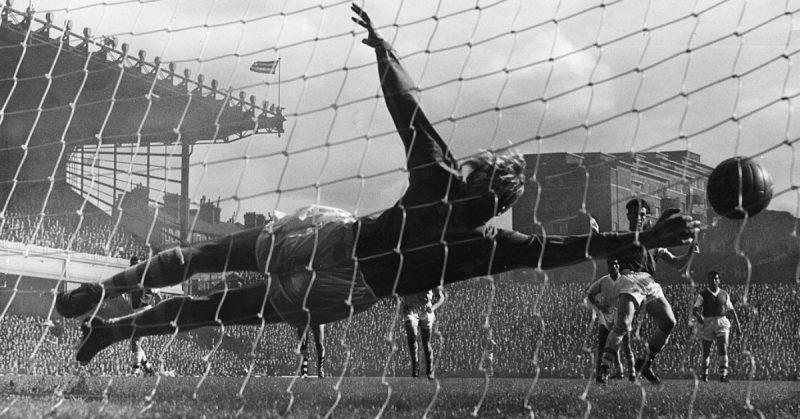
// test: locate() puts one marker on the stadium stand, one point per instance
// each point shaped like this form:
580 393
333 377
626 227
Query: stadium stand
62 227
565 329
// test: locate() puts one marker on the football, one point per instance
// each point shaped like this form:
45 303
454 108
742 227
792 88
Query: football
739 186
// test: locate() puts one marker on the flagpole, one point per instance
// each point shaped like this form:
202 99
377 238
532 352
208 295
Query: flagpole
279 83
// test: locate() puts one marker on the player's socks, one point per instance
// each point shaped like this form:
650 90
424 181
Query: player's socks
96 336
79 301
166 268
723 374
321 367
602 375
608 358
304 368
645 367
147 368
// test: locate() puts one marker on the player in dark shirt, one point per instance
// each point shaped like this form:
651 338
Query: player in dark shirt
323 264
638 289
711 309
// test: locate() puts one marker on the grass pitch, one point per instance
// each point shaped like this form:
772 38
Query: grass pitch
121 397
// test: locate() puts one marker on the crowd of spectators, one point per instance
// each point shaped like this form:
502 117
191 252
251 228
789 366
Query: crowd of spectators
525 328
62 227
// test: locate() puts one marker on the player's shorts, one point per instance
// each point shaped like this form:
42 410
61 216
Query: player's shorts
640 285
422 316
714 327
606 319
311 266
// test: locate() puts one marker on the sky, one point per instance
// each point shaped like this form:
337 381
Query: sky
543 76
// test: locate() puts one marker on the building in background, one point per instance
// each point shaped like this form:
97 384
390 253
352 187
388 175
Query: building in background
566 186
602 184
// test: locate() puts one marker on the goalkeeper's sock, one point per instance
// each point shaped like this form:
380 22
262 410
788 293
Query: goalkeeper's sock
164 269
79 301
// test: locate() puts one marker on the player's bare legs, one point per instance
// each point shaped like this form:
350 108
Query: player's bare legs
240 306
625 349
170 267
626 309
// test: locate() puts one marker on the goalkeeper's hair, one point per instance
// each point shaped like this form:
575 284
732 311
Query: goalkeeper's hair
636 204
501 174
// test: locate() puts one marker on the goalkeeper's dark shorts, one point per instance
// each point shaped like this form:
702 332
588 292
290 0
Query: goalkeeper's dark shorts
311 267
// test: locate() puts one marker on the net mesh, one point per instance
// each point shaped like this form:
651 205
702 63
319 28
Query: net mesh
104 149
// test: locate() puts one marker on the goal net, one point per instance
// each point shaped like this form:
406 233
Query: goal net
131 127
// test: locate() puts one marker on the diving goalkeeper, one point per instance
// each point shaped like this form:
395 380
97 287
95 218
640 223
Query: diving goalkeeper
322 264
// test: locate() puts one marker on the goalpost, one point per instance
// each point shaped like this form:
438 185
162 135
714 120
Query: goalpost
169 122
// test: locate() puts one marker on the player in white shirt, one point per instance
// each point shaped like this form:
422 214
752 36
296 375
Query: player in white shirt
418 315
603 296
710 310
140 299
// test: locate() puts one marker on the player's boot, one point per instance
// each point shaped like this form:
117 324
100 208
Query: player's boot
81 300
136 370
147 368
645 367
96 336
724 378
617 376
632 377
429 373
704 377
602 375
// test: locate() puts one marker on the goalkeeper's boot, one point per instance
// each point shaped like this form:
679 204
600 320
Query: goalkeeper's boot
97 335
79 301
645 367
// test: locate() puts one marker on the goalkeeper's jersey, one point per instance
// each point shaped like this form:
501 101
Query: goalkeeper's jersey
436 232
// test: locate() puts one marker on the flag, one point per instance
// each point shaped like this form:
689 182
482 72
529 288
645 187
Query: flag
266 67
